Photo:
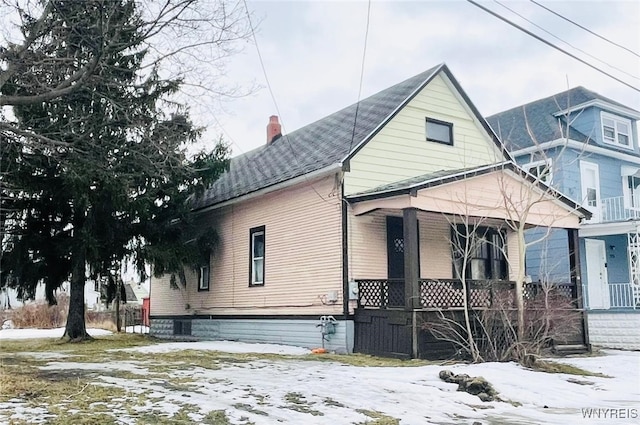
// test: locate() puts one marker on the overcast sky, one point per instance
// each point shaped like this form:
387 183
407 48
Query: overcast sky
312 54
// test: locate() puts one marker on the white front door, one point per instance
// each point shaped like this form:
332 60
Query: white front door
590 183
597 282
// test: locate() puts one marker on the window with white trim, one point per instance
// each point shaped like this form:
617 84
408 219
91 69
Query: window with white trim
631 188
256 265
616 130
203 278
439 131
541 170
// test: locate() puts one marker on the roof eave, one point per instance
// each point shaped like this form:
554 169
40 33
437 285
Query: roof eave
412 189
379 127
322 172
628 112
444 68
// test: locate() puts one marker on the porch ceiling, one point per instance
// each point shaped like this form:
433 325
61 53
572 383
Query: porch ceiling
499 194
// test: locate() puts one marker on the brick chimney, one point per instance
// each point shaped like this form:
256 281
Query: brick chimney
274 129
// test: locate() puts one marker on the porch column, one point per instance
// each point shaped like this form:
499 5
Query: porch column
411 256
576 279
574 264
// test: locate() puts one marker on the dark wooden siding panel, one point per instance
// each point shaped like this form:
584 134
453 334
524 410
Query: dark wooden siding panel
383 333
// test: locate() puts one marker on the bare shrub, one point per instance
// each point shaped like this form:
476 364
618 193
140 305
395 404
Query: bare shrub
549 316
41 315
101 320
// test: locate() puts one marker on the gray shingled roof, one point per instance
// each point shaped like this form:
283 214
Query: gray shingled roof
511 125
130 293
316 146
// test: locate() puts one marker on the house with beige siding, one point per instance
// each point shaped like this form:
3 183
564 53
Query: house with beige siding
336 234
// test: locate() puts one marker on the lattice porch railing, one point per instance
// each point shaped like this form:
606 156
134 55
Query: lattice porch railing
449 294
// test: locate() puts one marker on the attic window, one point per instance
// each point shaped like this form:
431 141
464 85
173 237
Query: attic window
616 131
439 131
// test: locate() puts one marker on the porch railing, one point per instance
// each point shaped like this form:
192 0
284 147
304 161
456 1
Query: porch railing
449 294
614 209
624 295
381 293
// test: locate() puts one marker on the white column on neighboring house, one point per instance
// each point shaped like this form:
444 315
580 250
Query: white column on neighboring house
633 246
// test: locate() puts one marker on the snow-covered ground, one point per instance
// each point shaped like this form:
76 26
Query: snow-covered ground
43 333
224 346
302 390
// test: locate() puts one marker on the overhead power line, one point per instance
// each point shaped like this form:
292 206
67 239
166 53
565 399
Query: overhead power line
548 43
264 71
364 55
566 42
275 103
584 28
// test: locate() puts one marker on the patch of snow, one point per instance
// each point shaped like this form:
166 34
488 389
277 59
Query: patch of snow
224 346
8 324
44 333
279 391
45 355
123 366
415 395
19 411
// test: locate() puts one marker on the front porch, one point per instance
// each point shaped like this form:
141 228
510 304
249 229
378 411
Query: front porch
383 326
450 245
612 266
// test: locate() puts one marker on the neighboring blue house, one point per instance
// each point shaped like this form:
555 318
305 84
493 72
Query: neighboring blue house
586 146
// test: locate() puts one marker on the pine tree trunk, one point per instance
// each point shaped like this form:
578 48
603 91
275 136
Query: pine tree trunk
76 329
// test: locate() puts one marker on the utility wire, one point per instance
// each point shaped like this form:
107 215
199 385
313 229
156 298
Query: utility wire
584 28
364 55
548 43
275 103
264 71
566 42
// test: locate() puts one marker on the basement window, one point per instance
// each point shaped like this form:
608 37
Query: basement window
182 327
439 131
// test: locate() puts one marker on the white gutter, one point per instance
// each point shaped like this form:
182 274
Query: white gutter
580 146
331 169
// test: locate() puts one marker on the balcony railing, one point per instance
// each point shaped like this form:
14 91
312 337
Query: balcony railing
449 294
616 209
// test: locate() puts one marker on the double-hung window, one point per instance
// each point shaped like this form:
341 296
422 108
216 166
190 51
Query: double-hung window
481 250
541 170
616 130
203 278
257 251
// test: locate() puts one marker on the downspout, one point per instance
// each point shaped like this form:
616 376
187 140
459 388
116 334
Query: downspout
345 254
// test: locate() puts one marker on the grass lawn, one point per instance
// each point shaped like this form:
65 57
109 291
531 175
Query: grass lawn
106 381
